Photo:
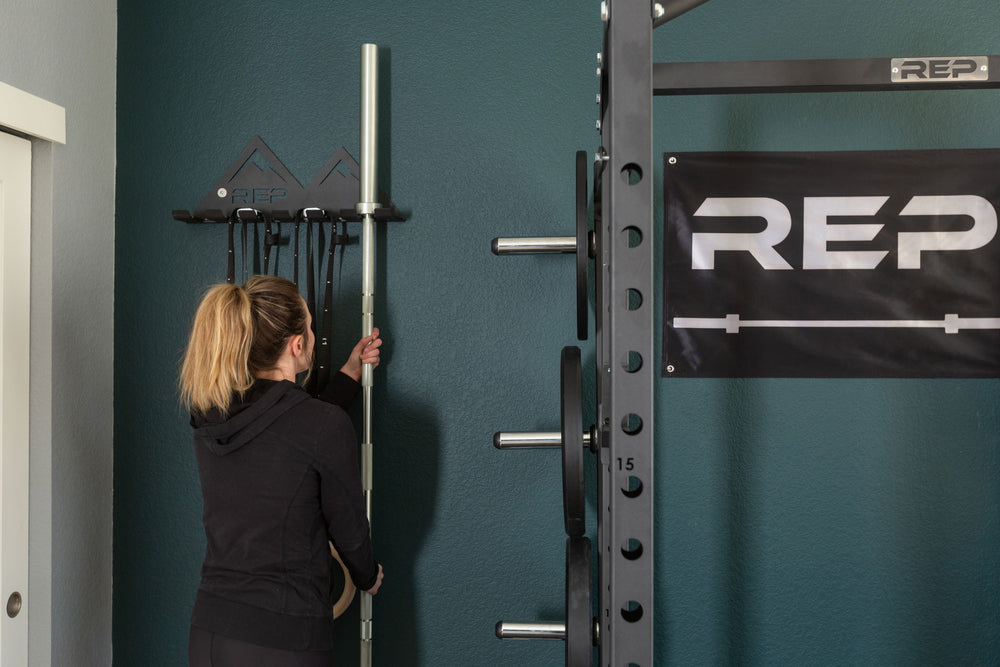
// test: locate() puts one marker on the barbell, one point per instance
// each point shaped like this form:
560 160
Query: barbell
583 244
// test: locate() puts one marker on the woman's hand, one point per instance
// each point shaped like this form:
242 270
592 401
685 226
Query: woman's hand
365 352
378 583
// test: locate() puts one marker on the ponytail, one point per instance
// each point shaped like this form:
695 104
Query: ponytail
238 333
215 364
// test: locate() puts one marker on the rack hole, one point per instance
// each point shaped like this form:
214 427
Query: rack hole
632 611
632 173
633 487
633 298
632 549
631 423
632 361
633 236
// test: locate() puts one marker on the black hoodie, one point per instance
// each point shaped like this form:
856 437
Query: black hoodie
279 478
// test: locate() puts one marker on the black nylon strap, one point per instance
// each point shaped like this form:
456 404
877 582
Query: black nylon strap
244 257
295 255
311 383
231 255
251 247
268 241
276 242
322 356
256 247
310 271
322 313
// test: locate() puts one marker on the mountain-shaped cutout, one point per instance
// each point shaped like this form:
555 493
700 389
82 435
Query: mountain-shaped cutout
256 179
338 184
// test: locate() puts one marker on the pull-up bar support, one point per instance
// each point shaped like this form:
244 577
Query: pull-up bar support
826 76
668 11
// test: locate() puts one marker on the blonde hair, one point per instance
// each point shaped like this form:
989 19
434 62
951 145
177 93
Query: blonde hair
238 332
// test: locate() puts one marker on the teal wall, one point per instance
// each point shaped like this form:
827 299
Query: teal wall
798 521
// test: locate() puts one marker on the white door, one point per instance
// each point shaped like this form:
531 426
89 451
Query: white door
15 252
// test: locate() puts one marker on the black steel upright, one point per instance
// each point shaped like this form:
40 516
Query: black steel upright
625 263
625 363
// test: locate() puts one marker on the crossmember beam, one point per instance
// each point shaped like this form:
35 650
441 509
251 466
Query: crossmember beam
669 10
827 76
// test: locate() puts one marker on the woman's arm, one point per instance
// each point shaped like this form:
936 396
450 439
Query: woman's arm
342 501
365 352
343 387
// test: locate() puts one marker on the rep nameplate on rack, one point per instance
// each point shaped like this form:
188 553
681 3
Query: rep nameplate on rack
936 70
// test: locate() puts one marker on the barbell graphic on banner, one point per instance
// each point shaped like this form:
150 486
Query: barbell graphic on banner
732 323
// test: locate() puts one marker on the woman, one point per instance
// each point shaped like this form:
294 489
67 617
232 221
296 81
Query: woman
279 479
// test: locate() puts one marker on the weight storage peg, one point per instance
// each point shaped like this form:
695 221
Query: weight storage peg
570 439
580 631
583 244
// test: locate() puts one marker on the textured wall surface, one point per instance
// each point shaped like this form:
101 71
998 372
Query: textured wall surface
64 52
798 522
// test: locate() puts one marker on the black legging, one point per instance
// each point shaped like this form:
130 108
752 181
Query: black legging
207 649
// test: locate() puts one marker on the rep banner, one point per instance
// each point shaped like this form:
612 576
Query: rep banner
848 264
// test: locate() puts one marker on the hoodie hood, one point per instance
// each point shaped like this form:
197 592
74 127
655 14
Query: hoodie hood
248 416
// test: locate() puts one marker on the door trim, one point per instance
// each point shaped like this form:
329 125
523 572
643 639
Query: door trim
45 123
31 115
15 311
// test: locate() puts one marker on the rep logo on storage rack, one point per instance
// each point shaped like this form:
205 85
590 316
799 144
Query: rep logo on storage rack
916 70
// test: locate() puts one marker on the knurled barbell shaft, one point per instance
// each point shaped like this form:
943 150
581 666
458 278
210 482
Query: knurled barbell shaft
532 440
506 630
534 245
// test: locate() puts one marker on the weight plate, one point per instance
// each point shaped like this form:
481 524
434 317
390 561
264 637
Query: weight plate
347 592
582 245
571 408
579 618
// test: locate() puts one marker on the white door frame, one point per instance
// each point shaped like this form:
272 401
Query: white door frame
44 123
15 370
31 115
